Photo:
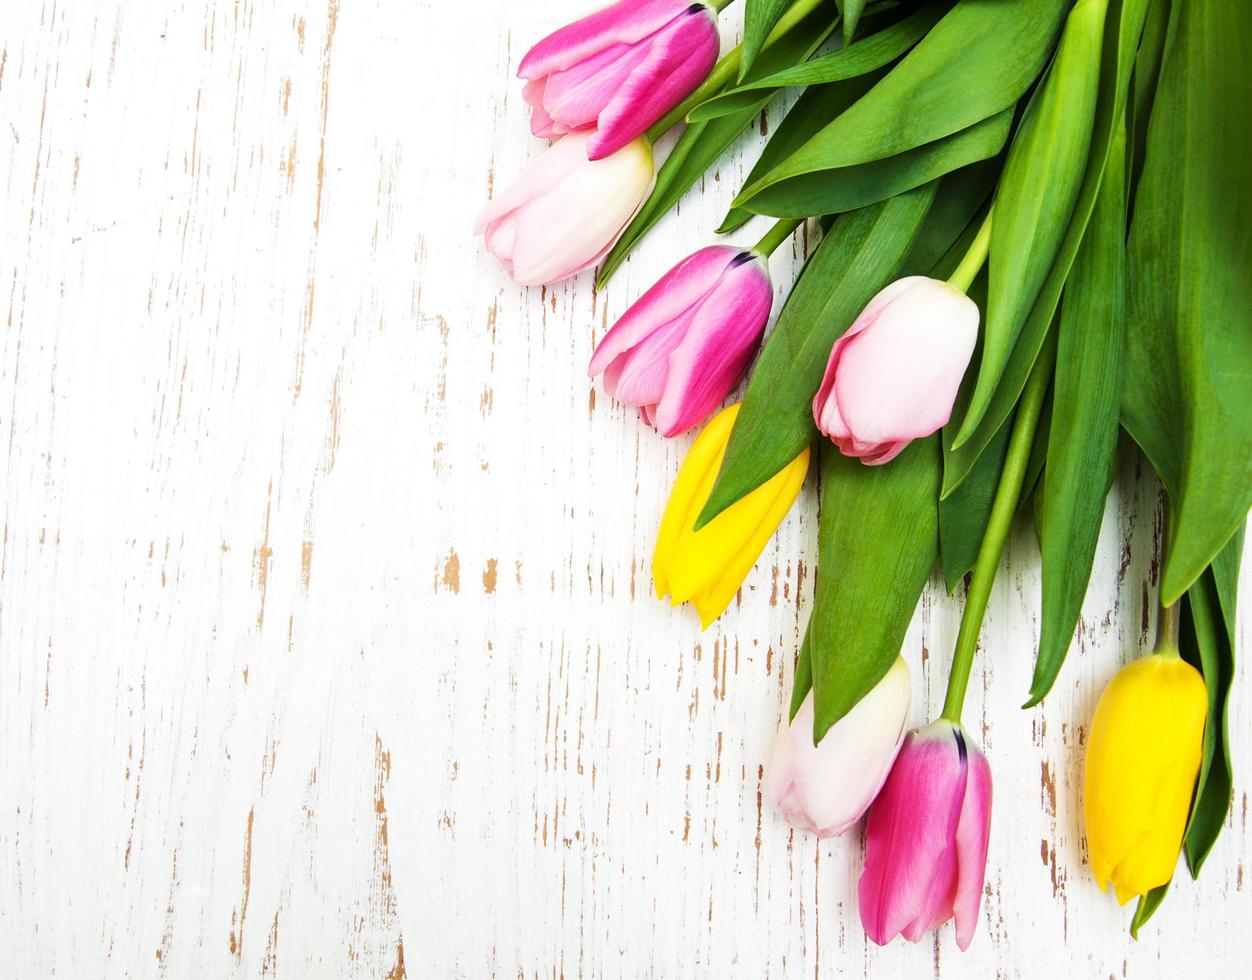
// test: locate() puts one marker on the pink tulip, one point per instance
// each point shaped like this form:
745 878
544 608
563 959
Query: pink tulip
826 788
618 70
926 839
685 344
565 212
893 376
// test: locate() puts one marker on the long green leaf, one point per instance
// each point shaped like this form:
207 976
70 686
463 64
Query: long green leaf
1143 85
1188 399
870 570
807 116
963 516
1211 605
702 143
1082 436
847 188
851 17
877 50
952 222
1146 908
976 62
1118 57
759 18
1042 178
856 258
804 677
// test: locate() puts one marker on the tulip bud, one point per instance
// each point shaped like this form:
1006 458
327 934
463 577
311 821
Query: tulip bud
826 788
1143 756
565 212
685 344
709 565
618 70
926 838
893 376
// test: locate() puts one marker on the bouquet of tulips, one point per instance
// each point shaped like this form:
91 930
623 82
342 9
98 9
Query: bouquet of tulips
1036 223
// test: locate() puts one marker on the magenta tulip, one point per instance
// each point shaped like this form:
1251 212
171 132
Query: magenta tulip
685 344
565 212
926 838
618 70
893 376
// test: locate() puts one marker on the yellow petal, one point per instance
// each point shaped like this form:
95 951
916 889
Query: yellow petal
1143 756
703 458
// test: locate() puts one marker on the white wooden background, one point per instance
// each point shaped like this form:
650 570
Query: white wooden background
327 646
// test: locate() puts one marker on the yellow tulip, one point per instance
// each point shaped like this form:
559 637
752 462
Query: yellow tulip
1143 756
708 566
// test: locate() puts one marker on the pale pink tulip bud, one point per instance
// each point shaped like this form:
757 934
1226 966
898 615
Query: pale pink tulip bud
893 376
685 344
826 788
926 838
565 212
618 70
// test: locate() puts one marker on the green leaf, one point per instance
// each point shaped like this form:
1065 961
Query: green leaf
1041 181
975 63
858 256
1209 611
870 574
759 18
836 190
702 143
1143 85
1148 904
963 515
1082 436
804 677
1188 400
869 55
810 112
950 225
851 17
1115 65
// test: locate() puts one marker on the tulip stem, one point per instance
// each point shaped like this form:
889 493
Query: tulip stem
778 234
964 275
1002 510
719 5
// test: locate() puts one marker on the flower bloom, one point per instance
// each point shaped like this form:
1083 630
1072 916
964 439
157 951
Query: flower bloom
926 838
618 70
708 566
826 788
1143 756
685 344
565 212
893 376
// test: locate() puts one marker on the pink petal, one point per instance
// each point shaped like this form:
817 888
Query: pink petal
577 95
972 836
826 414
541 175
625 22
911 826
673 294
641 371
717 347
899 379
679 58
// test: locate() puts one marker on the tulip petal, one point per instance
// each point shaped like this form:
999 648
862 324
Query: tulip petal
678 59
715 352
643 370
676 292
900 379
625 22
578 95
541 175
911 826
972 836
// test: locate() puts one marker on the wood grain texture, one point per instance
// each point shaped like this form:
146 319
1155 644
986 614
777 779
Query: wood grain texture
327 642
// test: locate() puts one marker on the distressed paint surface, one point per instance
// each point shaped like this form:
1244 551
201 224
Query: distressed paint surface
327 642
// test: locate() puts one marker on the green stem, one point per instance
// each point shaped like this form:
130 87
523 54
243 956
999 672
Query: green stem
964 275
1167 617
1002 511
727 67
719 5
778 234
